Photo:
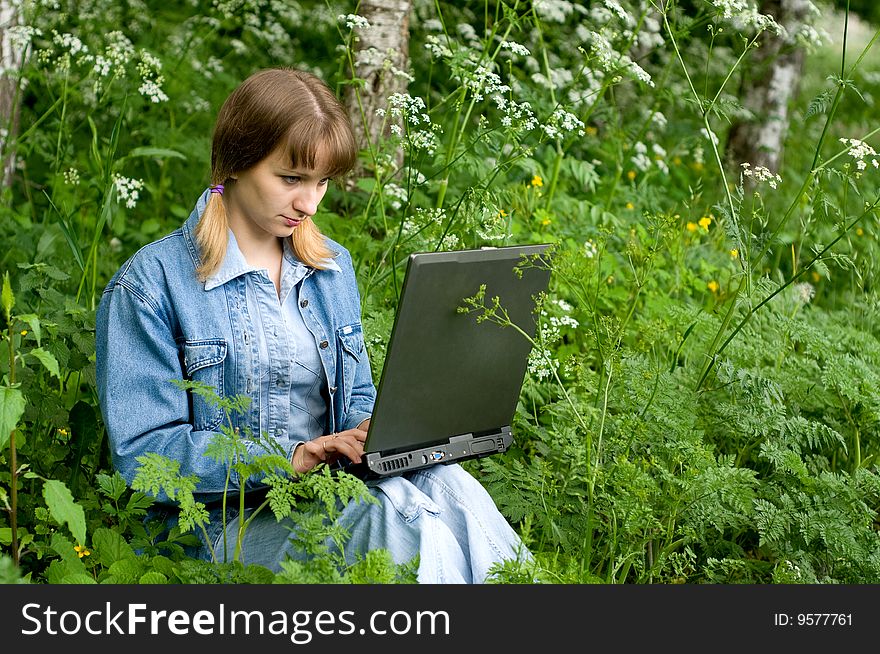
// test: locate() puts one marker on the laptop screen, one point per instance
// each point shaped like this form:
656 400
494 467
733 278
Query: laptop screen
445 374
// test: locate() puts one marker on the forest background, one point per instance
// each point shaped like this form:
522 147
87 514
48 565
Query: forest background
702 399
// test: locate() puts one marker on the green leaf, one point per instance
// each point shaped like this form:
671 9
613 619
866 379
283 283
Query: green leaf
48 360
77 578
5 535
7 297
109 547
157 153
153 577
64 509
111 486
126 571
11 408
33 321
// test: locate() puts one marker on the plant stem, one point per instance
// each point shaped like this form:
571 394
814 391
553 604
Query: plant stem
13 463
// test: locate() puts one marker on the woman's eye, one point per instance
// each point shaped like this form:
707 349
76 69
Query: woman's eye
290 179
324 181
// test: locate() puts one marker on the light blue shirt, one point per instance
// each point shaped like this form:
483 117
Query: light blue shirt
292 376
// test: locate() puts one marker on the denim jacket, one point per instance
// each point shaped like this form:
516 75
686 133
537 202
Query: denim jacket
156 323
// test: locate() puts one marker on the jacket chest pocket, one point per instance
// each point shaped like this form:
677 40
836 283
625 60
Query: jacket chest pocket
203 363
350 340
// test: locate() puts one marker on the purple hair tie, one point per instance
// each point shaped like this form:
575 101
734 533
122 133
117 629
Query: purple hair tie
217 188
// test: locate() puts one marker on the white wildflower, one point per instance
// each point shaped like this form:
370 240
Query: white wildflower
590 249
71 177
860 151
20 36
761 174
804 292
353 21
515 48
128 189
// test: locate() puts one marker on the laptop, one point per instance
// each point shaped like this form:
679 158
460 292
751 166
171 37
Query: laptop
450 384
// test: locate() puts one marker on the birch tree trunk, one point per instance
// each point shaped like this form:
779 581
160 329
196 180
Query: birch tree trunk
381 57
11 57
768 91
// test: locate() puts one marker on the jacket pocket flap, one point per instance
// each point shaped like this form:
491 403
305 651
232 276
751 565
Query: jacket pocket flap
352 339
203 353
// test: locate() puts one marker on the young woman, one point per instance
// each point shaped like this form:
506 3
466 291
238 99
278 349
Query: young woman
250 298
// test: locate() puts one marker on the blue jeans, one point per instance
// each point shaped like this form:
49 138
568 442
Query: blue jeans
441 513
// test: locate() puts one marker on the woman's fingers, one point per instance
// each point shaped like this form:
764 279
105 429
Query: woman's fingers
348 444
345 444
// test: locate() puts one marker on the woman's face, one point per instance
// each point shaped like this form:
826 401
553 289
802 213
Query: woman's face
272 199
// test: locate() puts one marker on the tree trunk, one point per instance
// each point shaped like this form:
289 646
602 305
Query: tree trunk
11 57
777 73
381 56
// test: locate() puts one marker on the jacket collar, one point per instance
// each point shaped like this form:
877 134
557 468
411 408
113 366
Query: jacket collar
234 264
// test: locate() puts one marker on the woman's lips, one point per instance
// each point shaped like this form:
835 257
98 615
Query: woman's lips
292 222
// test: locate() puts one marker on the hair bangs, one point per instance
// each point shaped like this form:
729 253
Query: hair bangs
319 142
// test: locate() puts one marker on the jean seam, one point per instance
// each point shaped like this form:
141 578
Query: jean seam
446 489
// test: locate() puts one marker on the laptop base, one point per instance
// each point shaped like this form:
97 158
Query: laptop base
376 465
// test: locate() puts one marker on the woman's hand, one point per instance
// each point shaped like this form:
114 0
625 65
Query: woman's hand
349 444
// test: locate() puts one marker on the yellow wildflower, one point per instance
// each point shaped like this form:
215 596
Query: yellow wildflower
591 131
502 214
545 222
734 253
62 431
705 221
537 181
691 227
676 161
816 276
24 332
697 165
630 205
713 286
631 175
81 551
859 231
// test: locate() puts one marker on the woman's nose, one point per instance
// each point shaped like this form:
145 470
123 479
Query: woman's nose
306 201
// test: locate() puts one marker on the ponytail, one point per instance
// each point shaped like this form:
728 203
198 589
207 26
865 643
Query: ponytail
309 245
307 242
211 236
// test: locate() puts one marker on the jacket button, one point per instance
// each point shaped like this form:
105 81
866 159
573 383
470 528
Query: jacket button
304 304
324 345
332 389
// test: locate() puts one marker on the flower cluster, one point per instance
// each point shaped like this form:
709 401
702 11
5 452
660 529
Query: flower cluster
590 249
803 292
20 36
412 110
612 61
761 174
151 80
396 194
128 189
517 115
643 161
71 177
860 151
561 123
744 14
353 21
515 48
117 53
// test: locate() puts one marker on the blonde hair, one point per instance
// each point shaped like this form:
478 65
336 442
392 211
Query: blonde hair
271 108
